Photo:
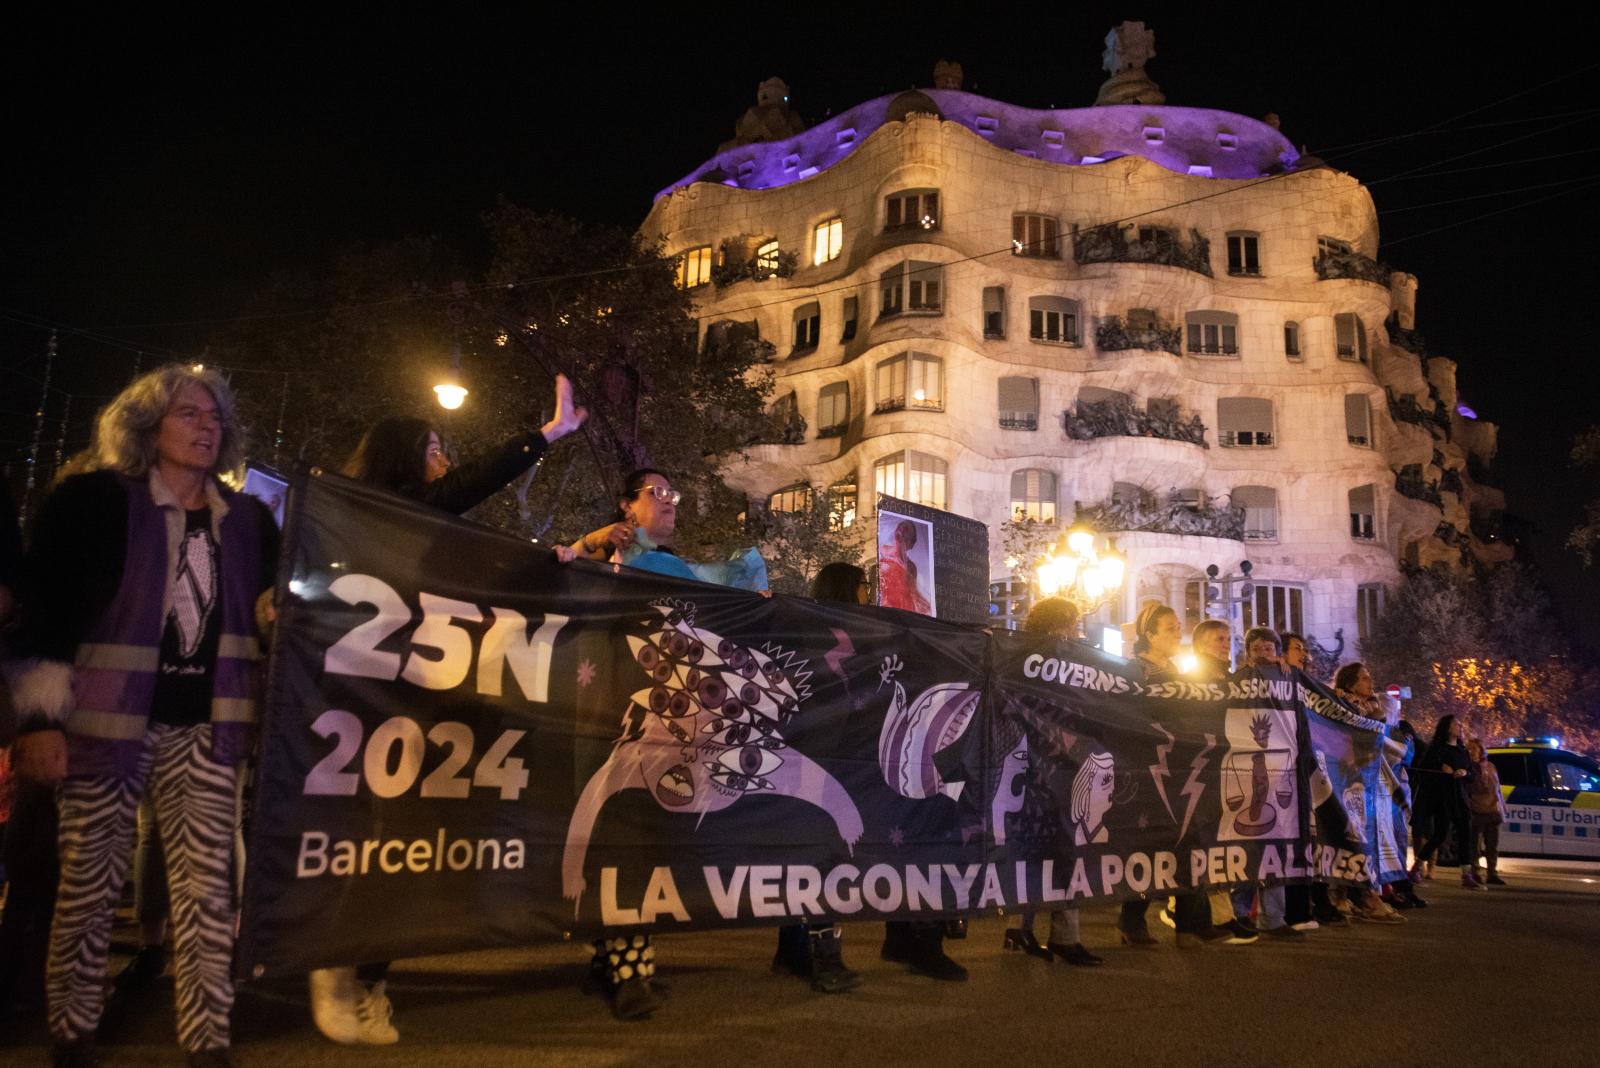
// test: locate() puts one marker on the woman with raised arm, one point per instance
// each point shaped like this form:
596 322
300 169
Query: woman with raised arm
405 455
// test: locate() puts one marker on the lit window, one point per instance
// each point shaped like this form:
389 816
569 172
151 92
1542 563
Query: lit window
1244 422
1291 340
1350 335
833 409
796 498
694 267
1363 508
1358 420
913 476
910 380
842 503
1275 605
766 259
829 241
1212 333
1053 319
807 326
1243 254
914 209
913 286
1260 504
1033 495
1034 235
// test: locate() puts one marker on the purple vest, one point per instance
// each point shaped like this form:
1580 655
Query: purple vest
114 675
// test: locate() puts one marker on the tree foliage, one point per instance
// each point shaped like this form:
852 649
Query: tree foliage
551 296
1585 537
798 544
1485 649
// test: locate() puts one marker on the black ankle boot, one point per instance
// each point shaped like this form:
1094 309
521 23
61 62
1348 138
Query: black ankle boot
928 955
828 972
794 951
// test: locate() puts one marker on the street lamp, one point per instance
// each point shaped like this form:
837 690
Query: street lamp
450 394
1074 569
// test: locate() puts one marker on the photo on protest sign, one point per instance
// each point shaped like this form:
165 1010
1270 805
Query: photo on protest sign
267 486
906 574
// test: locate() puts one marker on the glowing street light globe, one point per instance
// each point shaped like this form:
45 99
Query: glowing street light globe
1080 541
450 395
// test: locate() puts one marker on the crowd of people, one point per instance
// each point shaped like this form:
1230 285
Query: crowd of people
134 628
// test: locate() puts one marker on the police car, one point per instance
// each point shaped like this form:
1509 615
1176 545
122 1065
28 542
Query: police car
1552 800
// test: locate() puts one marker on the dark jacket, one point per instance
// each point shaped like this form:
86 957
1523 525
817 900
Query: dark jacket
463 488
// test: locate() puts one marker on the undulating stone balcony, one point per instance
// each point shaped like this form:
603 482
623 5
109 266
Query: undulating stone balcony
1113 335
1172 516
1110 243
1331 264
1119 418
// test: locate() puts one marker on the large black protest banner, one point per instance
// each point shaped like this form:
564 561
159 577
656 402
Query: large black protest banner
1360 789
1109 786
467 744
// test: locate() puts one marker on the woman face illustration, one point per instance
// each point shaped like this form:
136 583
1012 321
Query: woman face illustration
1100 791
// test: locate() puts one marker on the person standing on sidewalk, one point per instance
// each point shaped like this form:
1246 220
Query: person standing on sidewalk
1486 809
139 629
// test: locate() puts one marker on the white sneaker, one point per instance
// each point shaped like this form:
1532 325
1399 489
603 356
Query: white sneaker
335 994
1306 925
374 1011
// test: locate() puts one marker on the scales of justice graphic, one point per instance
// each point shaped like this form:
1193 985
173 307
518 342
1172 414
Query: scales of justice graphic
1258 785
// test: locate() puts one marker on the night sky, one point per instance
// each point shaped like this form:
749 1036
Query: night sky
156 175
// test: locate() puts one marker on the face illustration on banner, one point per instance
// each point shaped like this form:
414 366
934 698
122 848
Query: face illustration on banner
1010 796
1092 790
1259 792
1355 804
913 731
905 563
705 733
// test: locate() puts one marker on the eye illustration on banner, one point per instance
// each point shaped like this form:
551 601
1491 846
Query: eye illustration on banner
1259 793
707 731
1092 790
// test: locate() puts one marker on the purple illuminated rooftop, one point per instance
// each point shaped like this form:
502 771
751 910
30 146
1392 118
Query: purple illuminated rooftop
1194 141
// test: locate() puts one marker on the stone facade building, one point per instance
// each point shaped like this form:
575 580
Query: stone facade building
1163 320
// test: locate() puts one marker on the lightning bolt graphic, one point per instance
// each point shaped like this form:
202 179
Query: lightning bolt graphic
1159 770
843 648
1193 789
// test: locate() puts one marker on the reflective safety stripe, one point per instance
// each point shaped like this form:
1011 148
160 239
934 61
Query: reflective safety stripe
109 657
233 710
114 726
239 646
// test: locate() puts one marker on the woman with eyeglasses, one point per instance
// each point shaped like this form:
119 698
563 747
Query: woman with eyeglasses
647 519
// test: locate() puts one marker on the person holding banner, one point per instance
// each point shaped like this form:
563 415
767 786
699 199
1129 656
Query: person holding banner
815 951
1159 637
1261 654
1058 618
647 519
139 619
405 456
1354 686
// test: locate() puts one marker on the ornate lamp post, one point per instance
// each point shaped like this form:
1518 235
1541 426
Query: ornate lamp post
1075 569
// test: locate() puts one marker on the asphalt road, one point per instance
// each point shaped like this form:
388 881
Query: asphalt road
1506 977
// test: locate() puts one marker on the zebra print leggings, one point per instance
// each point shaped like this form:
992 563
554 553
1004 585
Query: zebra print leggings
195 809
